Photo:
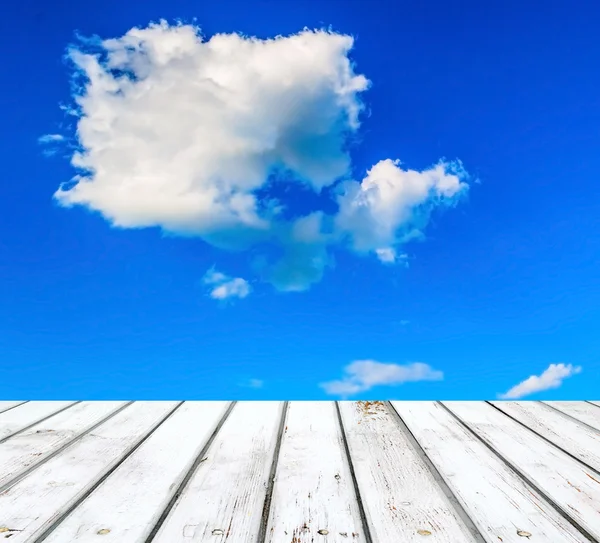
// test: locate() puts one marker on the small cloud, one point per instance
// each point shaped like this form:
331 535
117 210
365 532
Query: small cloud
403 322
225 287
50 138
387 255
362 375
253 383
552 377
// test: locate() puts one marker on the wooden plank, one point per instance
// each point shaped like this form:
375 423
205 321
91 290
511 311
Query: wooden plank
6 405
401 498
575 438
31 506
497 500
21 452
564 480
597 404
224 499
313 487
583 411
131 500
25 415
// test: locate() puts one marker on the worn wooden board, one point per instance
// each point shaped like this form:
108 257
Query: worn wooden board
6 405
313 488
29 448
127 505
575 438
20 417
595 403
402 500
565 481
31 506
224 498
583 411
498 501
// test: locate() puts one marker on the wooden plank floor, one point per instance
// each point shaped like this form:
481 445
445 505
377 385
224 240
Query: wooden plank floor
300 472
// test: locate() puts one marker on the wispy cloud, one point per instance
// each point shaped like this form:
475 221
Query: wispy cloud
220 117
224 287
252 383
552 377
362 375
50 138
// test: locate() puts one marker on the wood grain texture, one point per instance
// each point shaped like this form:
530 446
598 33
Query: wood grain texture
6 405
313 487
577 439
583 411
498 501
31 506
223 500
565 481
26 449
22 416
127 505
402 500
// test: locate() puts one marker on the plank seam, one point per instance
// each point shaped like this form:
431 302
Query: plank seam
43 419
437 476
9 408
94 486
359 500
188 476
591 403
264 521
25 473
571 417
572 456
525 478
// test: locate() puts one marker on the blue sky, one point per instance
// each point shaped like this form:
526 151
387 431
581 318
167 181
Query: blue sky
241 230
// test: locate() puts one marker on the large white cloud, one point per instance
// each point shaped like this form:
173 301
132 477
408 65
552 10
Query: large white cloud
552 377
182 133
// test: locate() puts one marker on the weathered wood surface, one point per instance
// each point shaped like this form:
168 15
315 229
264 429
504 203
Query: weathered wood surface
299 472
581 411
313 485
495 497
573 487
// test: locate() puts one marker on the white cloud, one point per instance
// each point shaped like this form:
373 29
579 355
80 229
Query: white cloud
363 375
392 203
253 383
225 287
51 138
552 377
186 134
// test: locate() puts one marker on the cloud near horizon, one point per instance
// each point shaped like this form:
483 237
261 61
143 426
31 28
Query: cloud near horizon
362 375
193 136
552 377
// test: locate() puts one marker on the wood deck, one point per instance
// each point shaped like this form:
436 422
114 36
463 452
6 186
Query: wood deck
300 472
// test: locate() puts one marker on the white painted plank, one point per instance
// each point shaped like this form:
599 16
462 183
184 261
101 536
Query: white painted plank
131 500
21 452
5 405
596 403
24 415
36 501
313 486
401 498
497 500
224 499
564 480
583 411
575 438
